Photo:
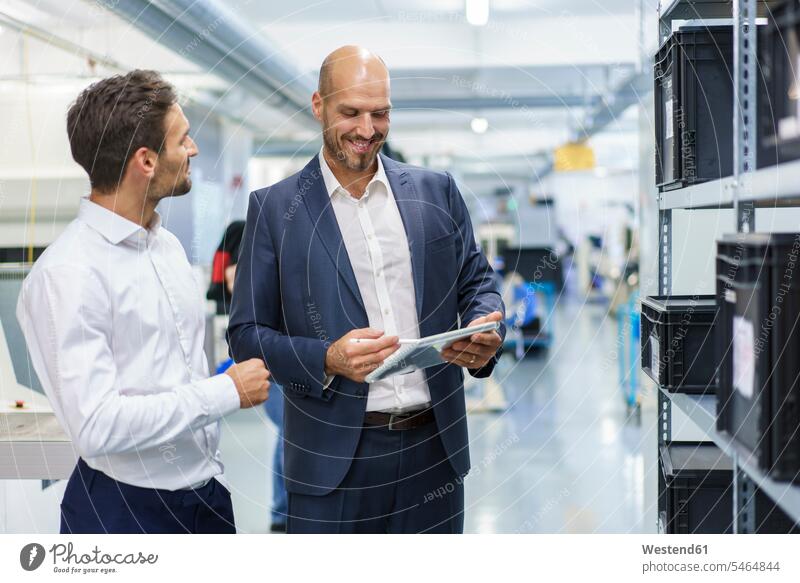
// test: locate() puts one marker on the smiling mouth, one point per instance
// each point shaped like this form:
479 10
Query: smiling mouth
361 146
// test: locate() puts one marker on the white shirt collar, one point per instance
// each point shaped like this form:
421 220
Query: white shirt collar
115 228
332 184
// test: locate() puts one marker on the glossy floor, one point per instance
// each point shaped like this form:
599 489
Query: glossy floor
564 457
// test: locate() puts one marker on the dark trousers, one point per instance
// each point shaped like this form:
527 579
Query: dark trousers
399 482
95 503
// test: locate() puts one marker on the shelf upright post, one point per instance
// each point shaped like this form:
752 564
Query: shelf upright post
744 495
664 288
744 108
744 156
664 402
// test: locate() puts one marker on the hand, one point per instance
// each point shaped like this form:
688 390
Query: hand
230 275
355 360
479 349
250 378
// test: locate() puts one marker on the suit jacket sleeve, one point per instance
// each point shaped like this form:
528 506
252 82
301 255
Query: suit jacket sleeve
255 331
478 291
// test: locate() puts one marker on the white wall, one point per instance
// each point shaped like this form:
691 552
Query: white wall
27 507
590 204
41 186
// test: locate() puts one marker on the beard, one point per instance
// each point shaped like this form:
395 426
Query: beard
182 187
171 182
355 162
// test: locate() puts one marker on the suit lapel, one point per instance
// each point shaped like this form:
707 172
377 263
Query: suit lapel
409 204
325 225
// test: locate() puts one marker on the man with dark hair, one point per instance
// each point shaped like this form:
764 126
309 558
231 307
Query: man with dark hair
114 323
366 251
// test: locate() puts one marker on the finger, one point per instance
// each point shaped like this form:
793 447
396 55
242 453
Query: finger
471 349
377 358
450 357
468 362
463 358
461 346
488 338
493 317
358 348
484 352
362 364
477 351
382 344
386 352
373 346
366 333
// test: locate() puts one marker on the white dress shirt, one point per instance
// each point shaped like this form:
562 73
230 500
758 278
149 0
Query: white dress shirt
377 245
114 323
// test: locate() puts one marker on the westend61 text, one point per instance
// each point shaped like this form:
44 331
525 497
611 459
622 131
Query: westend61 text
675 550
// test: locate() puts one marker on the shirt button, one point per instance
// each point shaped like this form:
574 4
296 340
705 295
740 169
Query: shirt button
386 311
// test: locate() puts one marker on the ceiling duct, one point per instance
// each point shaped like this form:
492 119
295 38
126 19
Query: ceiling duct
212 36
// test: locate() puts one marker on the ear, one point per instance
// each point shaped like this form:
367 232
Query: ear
143 163
316 105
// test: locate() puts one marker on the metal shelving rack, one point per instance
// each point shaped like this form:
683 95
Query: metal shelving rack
745 191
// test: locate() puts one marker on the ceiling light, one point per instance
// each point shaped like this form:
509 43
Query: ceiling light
479 125
477 12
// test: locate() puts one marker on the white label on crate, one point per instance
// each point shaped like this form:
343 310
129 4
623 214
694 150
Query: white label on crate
794 95
655 357
788 128
744 356
668 119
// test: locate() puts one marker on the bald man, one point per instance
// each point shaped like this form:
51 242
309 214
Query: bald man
363 247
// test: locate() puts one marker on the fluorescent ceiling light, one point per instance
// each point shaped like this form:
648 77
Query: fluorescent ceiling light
24 11
479 125
477 12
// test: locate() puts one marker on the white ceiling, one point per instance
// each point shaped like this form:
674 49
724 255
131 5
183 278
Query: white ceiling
398 10
577 50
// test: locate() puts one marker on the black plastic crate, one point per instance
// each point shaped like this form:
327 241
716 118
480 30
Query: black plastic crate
677 335
697 493
535 264
694 106
779 59
758 343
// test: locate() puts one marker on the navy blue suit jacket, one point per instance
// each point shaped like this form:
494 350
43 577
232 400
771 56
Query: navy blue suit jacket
296 293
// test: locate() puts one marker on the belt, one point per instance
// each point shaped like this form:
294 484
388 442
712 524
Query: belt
399 422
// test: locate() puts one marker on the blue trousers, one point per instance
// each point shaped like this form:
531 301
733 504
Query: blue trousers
399 482
274 409
95 503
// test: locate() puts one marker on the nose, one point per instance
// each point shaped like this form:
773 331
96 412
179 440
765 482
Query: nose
193 149
365 129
